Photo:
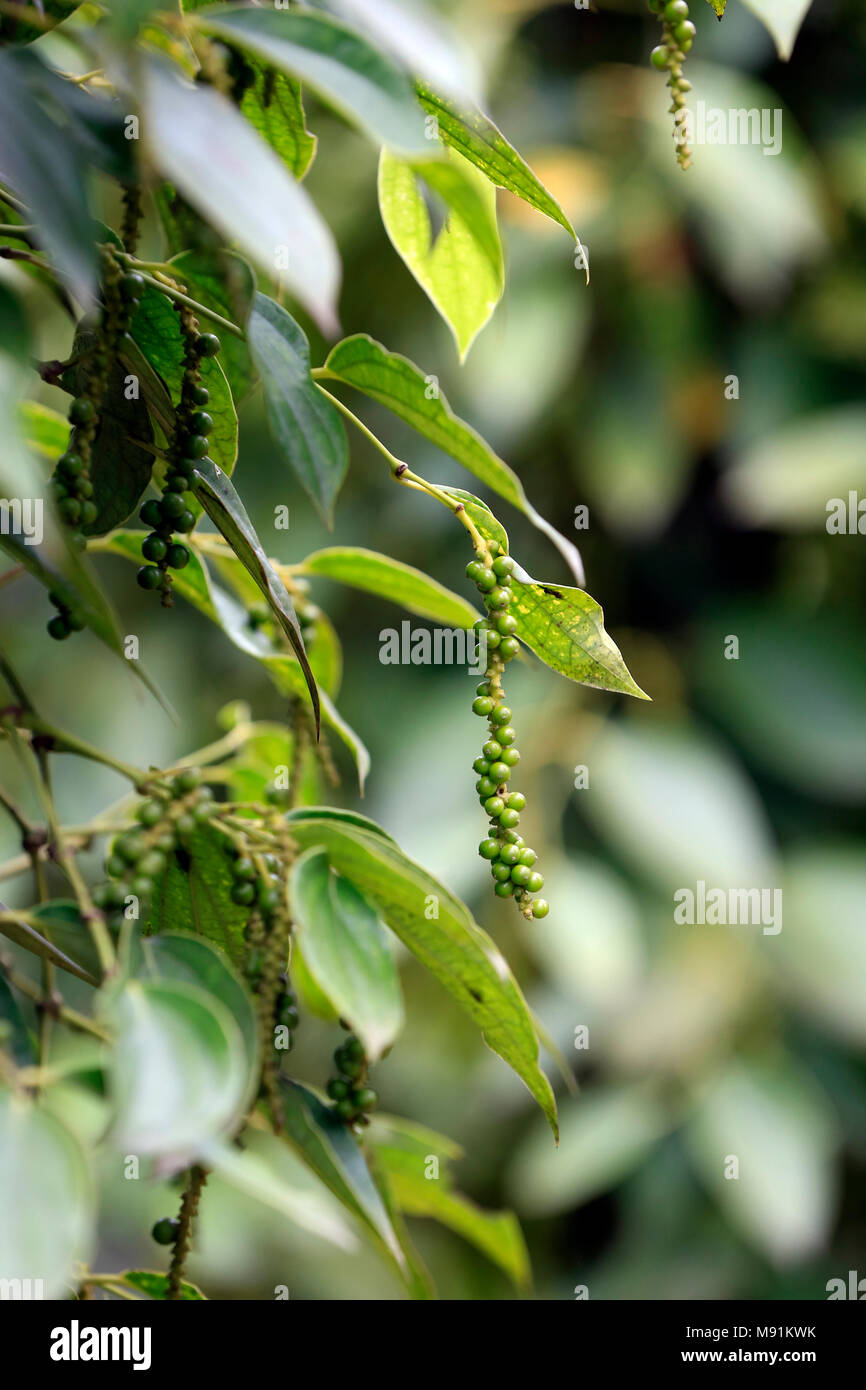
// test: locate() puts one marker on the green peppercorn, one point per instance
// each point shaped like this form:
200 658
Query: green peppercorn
201 423
177 557
152 863
510 756
660 56
141 886
485 787
501 871
482 705
685 33
206 345
506 735
499 772
244 894
481 766
149 577
200 396
172 505
338 1089
509 854
82 411
500 715
503 890
483 688
474 570
151 513
540 907
89 513
185 522
149 813
516 801
528 856
508 648
503 567
345 1109
492 750
70 509
486 581
153 547
71 464
498 597
58 628
166 1231
489 849
365 1098
494 806
506 623
536 882
520 875
195 446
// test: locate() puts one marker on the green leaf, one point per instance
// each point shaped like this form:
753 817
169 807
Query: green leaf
403 388
783 19
454 268
415 35
257 1171
404 1154
193 583
451 945
718 6
174 956
120 470
469 132
304 423
391 579
226 511
38 945
43 430
565 627
327 1147
15 31
336 63
179 1070
155 1285
47 172
193 894
46 1203
14 1035
62 924
200 142
274 105
347 951
156 330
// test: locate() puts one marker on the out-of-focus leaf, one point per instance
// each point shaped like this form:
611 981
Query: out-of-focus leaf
43 430
792 479
450 945
783 19
14 1036
18 31
38 945
336 63
61 922
45 1200
821 952
398 384
179 1069
173 956
391 579
304 423
674 803
454 267
347 951
780 1131
416 36
477 139
225 509
200 142
605 1136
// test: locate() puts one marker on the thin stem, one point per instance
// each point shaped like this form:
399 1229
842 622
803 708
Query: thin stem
395 464
200 310
69 1016
69 743
188 1211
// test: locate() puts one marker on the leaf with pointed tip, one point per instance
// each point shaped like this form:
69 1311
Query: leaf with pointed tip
31 940
347 951
454 268
155 1285
391 579
200 143
452 946
336 63
395 382
468 131
13 1031
783 19
274 104
304 423
225 509
565 627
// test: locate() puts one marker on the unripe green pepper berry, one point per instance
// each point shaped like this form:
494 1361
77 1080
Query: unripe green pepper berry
206 345
506 735
195 446
482 705
345 1109
503 890
494 806
338 1089
481 766
499 772
492 750
660 56
675 10
244 894
483 688
506 624
165 1232
685 32
172 505
177 557
509 818
486 581
151 513
536 882
503 566
501 872
528 856
540 907
520 875
82 411
185 522
508 648
498 597
201 422
149 813
152 863
200 395
365 1098
500 714
59 628
485 787
474 570
493 639
154 548
516 801
488 849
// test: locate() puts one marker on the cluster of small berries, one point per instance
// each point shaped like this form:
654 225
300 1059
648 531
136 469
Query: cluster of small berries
72 484
170 813
190 445
678 35
353 1098
511 860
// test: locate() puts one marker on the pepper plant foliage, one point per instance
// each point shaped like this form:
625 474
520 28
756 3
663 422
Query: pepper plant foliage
233 901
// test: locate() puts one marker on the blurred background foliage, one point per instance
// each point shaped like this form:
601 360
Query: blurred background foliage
706 520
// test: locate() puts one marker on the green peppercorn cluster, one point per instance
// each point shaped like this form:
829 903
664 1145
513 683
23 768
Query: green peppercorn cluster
170 813
353 1098
511 860
678 34
193 424
68 618
71 482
